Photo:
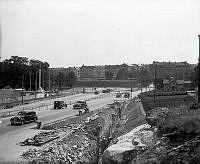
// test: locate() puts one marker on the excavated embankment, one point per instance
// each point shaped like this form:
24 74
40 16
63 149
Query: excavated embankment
81 139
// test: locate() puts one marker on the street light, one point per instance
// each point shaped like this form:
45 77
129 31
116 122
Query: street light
154 95
199 73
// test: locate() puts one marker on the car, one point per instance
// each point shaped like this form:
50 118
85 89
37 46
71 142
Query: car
80 105
23 117
106 90
127 95
60 105
118 95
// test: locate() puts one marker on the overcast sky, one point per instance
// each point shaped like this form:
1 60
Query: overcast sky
97 32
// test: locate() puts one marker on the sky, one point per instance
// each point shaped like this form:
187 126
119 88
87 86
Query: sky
97 32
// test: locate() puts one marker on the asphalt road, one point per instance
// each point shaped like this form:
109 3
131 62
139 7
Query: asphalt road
48 114
11 135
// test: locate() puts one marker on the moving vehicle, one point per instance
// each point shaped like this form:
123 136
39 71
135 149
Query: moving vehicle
106 90
80 105
126 95
23 117
60 105
118 95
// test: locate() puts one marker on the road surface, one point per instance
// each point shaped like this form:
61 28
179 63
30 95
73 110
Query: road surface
11 135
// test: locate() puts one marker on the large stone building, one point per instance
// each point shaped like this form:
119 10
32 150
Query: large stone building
66 71
92 72
165 70
115 68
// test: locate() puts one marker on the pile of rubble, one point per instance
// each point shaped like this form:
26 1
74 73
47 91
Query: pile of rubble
156 114
67 149
41 138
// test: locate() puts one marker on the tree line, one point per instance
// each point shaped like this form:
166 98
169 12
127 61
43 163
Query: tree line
20 72
142 75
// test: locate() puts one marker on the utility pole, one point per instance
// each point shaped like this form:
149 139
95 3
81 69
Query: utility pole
22 89
35 83
154 95
199 73
49 82
30 80
43 78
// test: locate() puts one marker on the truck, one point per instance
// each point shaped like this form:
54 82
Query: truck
60 105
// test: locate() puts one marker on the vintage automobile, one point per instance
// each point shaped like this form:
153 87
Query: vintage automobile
106 90
23 117
127 95
60 105
118 95
96 92
80 105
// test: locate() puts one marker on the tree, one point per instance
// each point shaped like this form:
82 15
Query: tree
144 77
109 75
16 71
122 74
17 60
194 77
70 79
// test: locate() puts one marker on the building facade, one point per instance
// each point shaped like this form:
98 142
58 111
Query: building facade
65 71
165 70
92 73
115 68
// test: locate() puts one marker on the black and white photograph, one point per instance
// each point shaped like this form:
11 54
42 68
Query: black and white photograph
100 81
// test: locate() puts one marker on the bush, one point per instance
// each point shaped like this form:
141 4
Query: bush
187 125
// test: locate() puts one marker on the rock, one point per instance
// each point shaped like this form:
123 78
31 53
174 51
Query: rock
127 144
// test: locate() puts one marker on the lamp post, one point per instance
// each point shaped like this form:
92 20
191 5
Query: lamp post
22 89
199 73
30 79
154 95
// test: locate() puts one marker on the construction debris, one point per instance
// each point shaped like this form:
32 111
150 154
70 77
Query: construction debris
80 138
41 138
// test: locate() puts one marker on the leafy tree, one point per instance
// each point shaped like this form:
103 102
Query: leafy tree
144 77
18 70
122 74
194 77
70 79
109 75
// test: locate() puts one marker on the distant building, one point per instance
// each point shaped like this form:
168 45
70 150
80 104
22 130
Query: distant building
76 71
165 70
57 70
115 68
92 72
176 85
66 71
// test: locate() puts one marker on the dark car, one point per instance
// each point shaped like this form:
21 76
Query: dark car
126 95
96 92
106 90
118 95
80 105
60 105
23 117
